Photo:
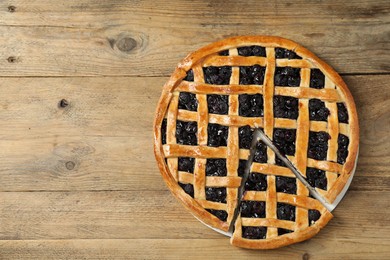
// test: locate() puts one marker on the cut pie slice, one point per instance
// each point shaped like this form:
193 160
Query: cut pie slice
275 209
204 126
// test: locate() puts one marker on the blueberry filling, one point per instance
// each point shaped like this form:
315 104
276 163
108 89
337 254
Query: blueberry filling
317 79
285 211
186 132
250 105
252 51
254 232
342 151
245 136
252 209
260 154
284 140
286 185
342 113
285 107
317 110
318 145
256 181
217 75
218 104
279 162
316 178
164 131
241 167
221 214
216 194
252 75
217 135
287 76
314 215
282 53
188 101
282 231
189 76
186 164
224 53
216 167
188 188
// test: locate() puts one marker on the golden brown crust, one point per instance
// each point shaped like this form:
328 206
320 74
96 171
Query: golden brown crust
205 56
298 235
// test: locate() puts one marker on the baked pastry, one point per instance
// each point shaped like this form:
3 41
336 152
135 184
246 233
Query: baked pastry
204 127
276 208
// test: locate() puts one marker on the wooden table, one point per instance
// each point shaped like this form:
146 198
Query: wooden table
80 180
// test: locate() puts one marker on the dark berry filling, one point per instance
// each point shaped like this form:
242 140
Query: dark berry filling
256 181
314 215
217 135
241 167
216 167
287 76
250 105
317 110
284 140
282 53
342 113
186 132
221 214
254 232
245 135
188 101
285 211
342 151
318 145
285 107
279 162
316 178
164 131
217 75
252 51
186 164
252 209
260 155
252 75
282 231
317 79
218 104
286 185
216 194
224 53
190 76
188 188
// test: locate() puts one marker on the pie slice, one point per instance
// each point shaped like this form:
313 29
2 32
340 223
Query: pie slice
275 209
204 127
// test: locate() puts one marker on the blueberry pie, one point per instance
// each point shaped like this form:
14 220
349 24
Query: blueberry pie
263 194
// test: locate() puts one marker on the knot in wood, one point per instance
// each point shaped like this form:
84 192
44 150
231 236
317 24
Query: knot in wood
11 8
126 44
11 59
63 103
70 165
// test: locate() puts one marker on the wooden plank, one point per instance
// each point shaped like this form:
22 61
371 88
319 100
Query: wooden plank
353 248
106 132
156 215
148 38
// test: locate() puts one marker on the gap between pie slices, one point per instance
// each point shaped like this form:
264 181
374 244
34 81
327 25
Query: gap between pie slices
204 128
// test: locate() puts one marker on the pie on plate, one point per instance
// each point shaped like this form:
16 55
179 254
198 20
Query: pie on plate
208 120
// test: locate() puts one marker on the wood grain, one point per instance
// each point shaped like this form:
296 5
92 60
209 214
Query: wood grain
156 215
148 38
106 131
195 248
81 182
